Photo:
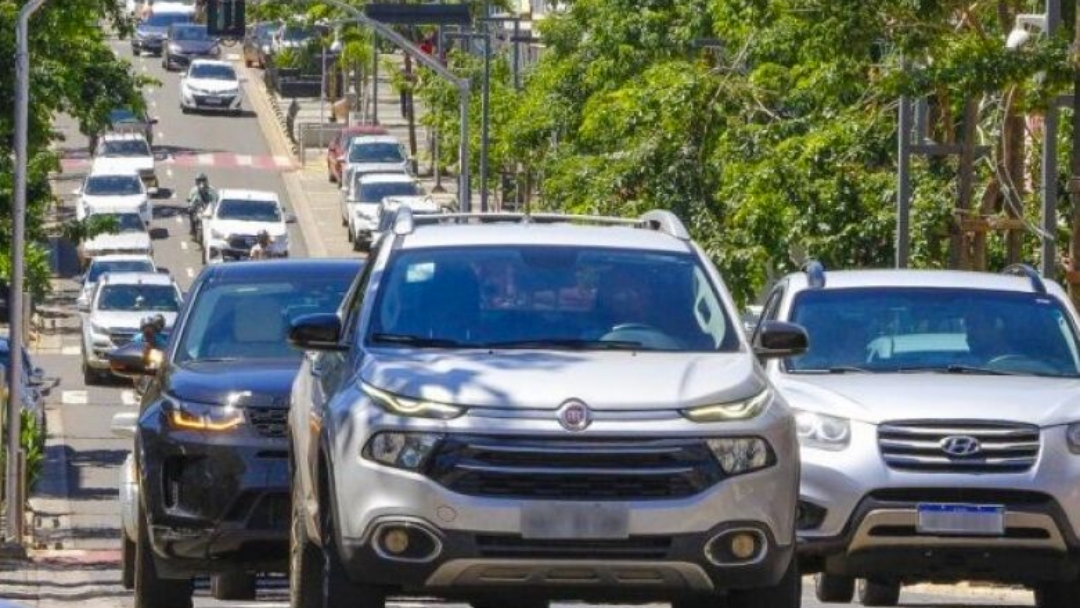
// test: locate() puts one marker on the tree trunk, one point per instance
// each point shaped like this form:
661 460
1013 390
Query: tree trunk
410 109
962 242
1073 278
1013 166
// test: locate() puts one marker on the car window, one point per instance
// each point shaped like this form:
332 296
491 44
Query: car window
166 19
250 320
353 306
249 211
376 152
125 222
914 329
160 298
190 32
98 268
573 297
376 192
124 148
212 71
113 185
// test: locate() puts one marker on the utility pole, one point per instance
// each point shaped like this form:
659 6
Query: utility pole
485 102
903 186
18 247
1049 171
1073 277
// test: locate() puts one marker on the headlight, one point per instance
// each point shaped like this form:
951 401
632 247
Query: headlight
743 409
174 48
98 329
412 408
203 417
402 450
1072 435
738 455
822 431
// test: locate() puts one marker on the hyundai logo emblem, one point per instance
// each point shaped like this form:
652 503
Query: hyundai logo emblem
960 445
574 415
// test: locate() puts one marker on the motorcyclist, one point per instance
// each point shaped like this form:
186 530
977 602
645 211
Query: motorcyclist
151 335
201 196
261 249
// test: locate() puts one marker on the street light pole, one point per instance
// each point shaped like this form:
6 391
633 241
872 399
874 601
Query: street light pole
485 119
18 247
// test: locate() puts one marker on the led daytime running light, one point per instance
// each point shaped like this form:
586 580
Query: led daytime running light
413 408
735 410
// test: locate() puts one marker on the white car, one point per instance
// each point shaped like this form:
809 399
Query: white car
360 205
111 263
130 237
231 227
210 85
112 316
373 154
419 205
114 187
130 152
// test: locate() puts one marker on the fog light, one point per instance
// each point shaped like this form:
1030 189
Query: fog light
396 541
743 545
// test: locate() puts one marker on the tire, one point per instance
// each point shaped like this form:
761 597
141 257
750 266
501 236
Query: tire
233 586
305 560
150 590
338 590
877 592
786 593
833 588
90 375
185 109
1058 595
357 245
247 63
127 561
699 602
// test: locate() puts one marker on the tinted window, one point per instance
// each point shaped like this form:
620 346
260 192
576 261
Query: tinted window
113 185
374 193
249 211
162 298
99 268
189 32
901 329
122 115
376 153
166 19
123 148
125 222
213 71
550 297
249 320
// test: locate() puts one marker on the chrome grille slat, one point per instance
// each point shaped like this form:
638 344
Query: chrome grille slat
574 470
918 445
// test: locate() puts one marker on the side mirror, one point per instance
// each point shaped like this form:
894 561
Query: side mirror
163 270
290 218
82 305
153 191
128 361
77 191
779 339
317 332
125 424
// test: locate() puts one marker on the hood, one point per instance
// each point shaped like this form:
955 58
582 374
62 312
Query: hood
127 320
605 380
145 29
354 168
132 163
232 227
269 380
138 242
193 46
213 85
876 398
114 203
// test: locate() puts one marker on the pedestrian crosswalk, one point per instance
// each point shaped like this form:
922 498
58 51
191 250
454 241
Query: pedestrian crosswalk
218 160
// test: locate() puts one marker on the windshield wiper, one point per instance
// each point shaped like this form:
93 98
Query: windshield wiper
418 341
569 343
959 368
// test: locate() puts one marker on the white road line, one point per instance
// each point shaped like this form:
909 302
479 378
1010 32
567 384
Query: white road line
282 161
205 159
183 245
244 160
168 173
128 398
74 398
179 220
160 135
190 272
232 57
153 103
70 350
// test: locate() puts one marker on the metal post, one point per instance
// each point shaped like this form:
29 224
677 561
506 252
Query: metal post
375 80
1049 171
485 102
517 55
18 246
322 92
903 186
464 188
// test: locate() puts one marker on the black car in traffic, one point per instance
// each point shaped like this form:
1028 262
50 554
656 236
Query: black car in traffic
210 447
150 33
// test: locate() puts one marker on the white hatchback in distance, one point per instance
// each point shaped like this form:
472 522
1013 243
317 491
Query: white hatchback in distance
231 227
115 187
374 154
129 237
130 151
210 85
360 205
111 263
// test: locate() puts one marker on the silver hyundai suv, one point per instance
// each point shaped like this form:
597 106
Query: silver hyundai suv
516 408
939 417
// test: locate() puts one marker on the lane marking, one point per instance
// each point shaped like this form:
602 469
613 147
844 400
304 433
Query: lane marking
190 272
153 103
71 350
205 159
283 161
183 245
74 398
232 57
168 172
244 160
179 220
127 397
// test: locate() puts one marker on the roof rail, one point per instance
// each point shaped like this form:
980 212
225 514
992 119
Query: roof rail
1024 270
815 273
666 222
660 220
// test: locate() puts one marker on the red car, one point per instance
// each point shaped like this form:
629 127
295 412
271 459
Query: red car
335 152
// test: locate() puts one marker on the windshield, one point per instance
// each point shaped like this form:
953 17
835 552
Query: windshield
264 31
166 19
99 268
113 185
374 193
293 33
212 71
250 320
249 211
910 329
125 222
124 148
375 153
190 32
122 115
160 298
550 297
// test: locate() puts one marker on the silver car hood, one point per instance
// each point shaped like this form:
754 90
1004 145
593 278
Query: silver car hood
126 241
878 398
127 320
623 380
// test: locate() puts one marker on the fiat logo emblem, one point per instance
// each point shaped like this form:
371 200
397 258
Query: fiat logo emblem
574 415
960 445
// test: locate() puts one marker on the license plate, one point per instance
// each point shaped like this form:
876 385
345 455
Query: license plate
213 101
570 520
961 519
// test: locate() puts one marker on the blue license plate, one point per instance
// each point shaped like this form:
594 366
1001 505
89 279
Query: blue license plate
961 519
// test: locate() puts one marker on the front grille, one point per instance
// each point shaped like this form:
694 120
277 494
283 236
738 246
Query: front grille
272 512
121 338
242 241
269 421
922 446
649 547
523 467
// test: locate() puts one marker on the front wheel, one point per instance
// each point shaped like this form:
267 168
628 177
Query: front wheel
786 593
233 586
878 592
833 588
127 561
1058 595
338 590
151 591
305 560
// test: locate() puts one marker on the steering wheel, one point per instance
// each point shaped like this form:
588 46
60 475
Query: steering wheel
1020 363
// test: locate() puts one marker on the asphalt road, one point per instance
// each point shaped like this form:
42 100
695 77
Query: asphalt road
82 512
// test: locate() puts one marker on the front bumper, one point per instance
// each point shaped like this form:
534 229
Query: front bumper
222 103
229 251
185 59
97 346
217 502
150 44
486 546
862 516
